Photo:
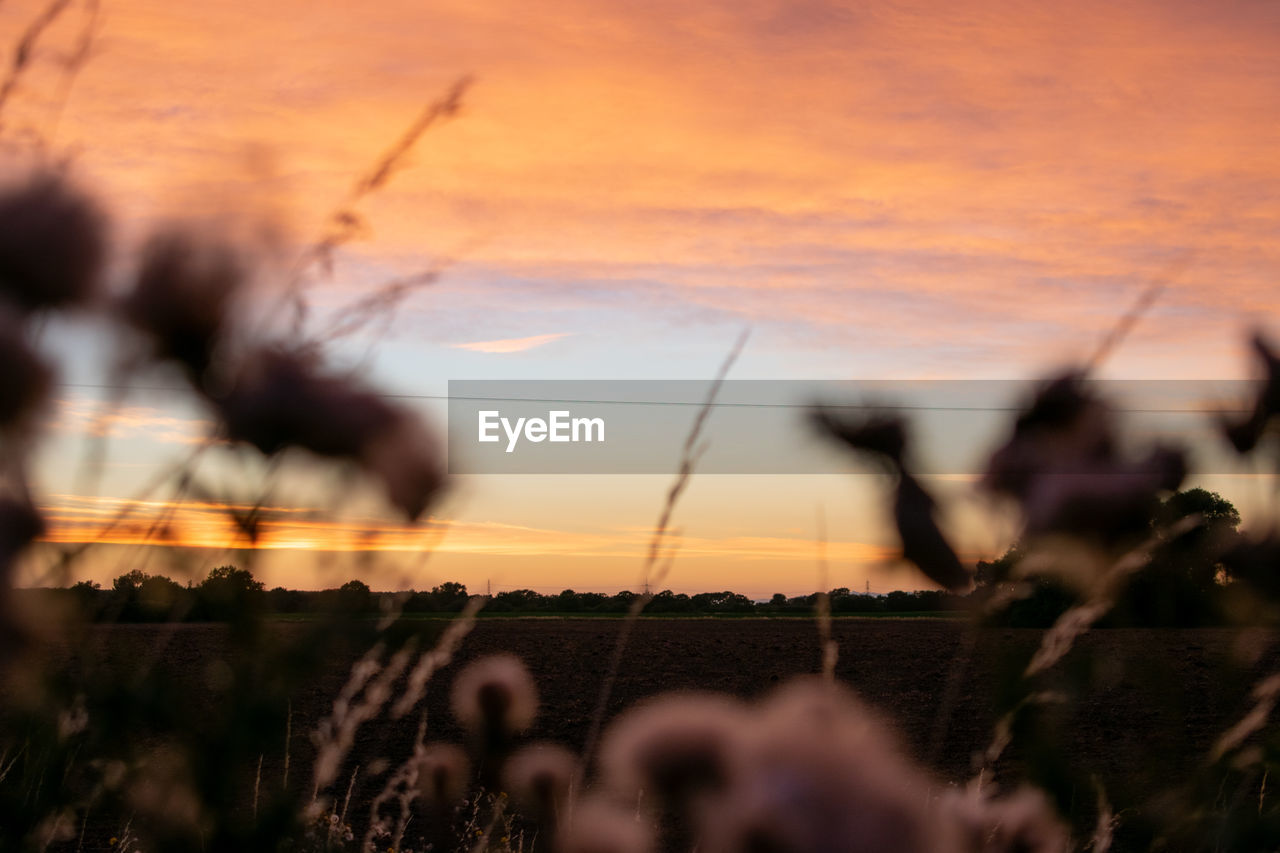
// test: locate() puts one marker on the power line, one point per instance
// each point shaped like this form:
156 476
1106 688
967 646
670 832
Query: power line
900 407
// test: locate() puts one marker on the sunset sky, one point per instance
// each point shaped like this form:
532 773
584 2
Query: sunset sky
876 190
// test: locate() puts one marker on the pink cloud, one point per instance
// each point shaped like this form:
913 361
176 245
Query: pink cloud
511 344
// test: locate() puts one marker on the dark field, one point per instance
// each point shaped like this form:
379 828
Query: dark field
1150 702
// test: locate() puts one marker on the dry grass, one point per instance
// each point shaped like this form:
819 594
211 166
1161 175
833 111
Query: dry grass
808 767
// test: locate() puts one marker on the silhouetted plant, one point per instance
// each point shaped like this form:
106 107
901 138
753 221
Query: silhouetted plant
207 757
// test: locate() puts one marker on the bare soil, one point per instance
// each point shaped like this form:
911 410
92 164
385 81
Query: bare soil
1151 702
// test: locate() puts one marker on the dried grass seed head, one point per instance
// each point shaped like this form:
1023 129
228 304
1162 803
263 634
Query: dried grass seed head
20 525
923 542
541 777
162 790
810 705
1063 466
1065 425
822 773
183 296
1110 503
1245 432
882 436
53 243
495 696
408 463
599 826
444 774
674 746
25 379
281 399
1022 822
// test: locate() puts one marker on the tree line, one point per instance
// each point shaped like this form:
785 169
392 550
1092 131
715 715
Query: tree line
1187 581
229 593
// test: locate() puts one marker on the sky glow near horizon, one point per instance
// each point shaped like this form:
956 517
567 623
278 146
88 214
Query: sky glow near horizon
876 190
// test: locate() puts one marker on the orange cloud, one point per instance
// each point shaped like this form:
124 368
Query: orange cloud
74 519
1018 172
884 189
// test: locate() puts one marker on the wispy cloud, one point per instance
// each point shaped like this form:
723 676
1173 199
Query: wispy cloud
511 344
988 198
101 420
1015 173
76 519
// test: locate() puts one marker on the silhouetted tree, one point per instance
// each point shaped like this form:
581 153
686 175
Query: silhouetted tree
515 600
1179 586
230 593
998 570
1194 553
670 602
354 596
567 601
722 602
449 596
129 582
281 600
87 593
138 596
1182 583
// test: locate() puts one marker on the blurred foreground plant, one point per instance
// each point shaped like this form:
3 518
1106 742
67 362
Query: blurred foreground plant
90 759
